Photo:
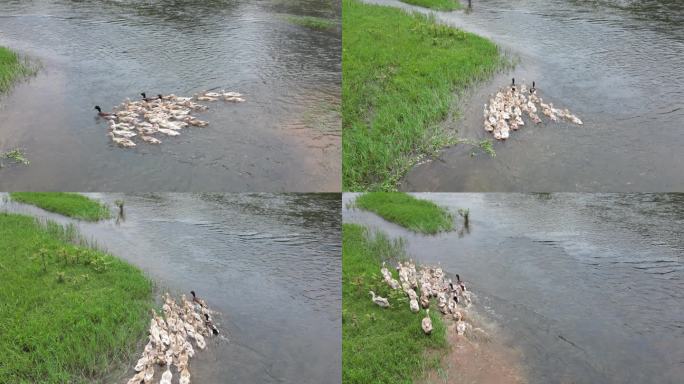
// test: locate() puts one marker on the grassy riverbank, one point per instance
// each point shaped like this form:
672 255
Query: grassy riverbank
381 345
439 5
69 314
65 203
12 68
418 215
317 23
399 77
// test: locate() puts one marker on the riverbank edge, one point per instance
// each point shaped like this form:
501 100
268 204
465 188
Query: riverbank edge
437 5
396 94
87 310
13 68
69 204
381 345
417 215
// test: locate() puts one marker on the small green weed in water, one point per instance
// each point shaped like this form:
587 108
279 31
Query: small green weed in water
487 146
317 23
17 156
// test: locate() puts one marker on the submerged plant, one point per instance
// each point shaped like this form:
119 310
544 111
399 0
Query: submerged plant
17 156
488 147
465 213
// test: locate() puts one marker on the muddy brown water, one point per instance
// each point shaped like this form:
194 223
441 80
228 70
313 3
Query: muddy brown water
103 52
616 63
269 264
589 288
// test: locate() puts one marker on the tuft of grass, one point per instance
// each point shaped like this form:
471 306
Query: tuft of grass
68 314
400 73
12 68
439 5
418 215
488 147
381 345
17 155
65 203
312 22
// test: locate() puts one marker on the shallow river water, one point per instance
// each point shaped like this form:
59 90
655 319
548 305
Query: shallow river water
269 264
589 288
285 137
615 63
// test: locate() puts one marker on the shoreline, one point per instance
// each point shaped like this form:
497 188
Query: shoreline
69 280
14 67
376 105
482 355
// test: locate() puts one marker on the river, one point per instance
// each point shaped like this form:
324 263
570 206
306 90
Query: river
285 137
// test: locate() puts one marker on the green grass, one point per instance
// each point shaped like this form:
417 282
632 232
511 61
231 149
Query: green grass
68 313
12 68
439 5
381 345
400 74
65 203
317 23
418 215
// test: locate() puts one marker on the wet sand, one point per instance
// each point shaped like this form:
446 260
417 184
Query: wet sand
477 362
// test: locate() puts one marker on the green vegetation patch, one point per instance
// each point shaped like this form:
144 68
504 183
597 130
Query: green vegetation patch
381 345
12 68
68 314
439 5
418 215
65 203
400 73
317 23
17 156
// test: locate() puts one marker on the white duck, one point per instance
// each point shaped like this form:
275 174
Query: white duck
413 305
426 324
380 301
167 376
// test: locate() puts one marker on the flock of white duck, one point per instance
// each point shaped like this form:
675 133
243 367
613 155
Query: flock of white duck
507 107
166 115
421 285
170 339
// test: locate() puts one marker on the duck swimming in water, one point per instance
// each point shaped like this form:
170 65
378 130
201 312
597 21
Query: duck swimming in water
159 115
197 300
149 99
506 109
104 115
209 324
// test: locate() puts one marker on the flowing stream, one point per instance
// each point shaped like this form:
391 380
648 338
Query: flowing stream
285 137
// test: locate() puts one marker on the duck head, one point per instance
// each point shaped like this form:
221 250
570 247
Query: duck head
97 107
160 96
143 95
193 294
